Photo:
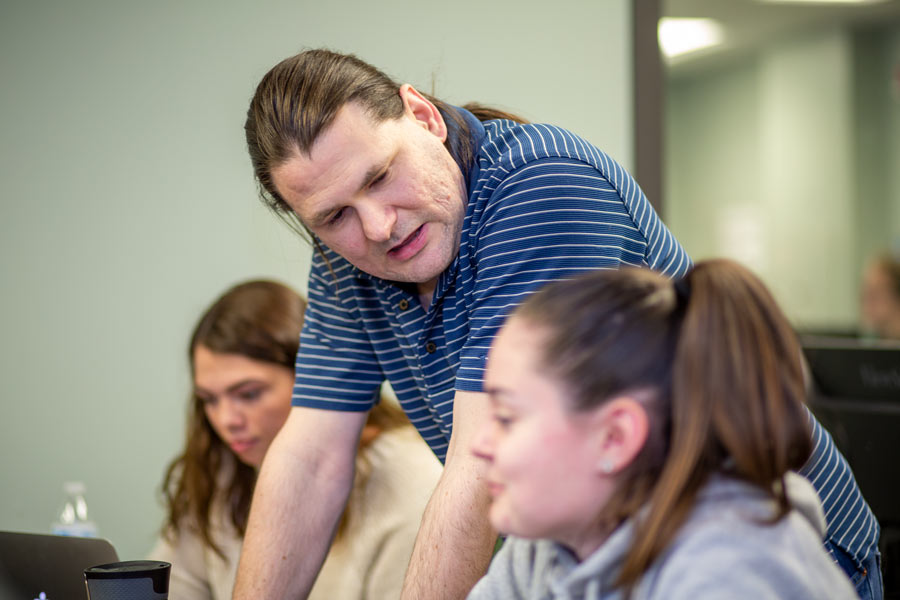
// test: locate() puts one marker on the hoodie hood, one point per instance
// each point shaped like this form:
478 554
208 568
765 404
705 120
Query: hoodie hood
722 498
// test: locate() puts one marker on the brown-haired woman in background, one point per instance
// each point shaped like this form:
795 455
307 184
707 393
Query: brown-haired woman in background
242 361
643 439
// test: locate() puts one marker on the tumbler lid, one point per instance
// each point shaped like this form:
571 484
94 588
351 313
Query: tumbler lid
156 570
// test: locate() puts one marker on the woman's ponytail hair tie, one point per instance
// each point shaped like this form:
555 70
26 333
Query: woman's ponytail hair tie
682 287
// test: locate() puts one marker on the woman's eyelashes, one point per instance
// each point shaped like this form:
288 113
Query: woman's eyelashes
503 420
250 394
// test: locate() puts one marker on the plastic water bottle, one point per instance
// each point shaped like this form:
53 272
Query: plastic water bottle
73 516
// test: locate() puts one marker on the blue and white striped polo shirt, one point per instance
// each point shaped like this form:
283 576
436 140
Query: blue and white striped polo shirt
850 523
543 204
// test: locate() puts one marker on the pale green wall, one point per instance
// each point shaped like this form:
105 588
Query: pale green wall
805 192
893 143
709 188
128 201
872 190
785 159
877 105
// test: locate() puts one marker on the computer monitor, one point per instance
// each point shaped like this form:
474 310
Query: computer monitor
856 396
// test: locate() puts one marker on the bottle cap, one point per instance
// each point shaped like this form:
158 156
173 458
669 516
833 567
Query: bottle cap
74 487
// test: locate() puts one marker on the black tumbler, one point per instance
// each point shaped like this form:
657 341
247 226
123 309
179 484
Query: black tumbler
129 580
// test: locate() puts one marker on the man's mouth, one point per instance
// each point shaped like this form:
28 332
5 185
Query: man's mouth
409 246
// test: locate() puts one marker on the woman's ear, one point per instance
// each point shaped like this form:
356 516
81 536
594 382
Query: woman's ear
422 111
623 425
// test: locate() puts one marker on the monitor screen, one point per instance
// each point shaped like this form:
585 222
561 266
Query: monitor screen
856 396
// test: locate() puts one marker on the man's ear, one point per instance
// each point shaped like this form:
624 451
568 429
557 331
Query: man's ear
418 108
623 426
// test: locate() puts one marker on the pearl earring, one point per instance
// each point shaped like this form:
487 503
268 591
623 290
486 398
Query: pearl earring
606 466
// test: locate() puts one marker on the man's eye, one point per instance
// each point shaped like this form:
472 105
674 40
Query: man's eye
336 217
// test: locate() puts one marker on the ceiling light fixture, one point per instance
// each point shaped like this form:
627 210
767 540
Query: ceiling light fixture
679 36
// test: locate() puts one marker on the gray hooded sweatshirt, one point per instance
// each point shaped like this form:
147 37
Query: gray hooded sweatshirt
722 552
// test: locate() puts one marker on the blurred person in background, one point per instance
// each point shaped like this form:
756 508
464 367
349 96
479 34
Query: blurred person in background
880 297
242 363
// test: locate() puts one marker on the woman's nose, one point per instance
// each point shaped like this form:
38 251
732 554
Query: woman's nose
233 415
483 443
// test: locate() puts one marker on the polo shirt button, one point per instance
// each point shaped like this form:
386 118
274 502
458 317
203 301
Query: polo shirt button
403 304
430 347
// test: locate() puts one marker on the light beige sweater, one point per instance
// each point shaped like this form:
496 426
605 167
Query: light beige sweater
369 562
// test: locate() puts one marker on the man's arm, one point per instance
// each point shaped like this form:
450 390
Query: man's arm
302 488
455 543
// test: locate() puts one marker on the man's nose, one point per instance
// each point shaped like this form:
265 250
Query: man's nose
378 220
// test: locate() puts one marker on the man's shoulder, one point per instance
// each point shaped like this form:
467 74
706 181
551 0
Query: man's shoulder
536 140
509 148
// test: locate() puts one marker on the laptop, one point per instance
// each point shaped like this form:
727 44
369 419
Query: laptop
48 567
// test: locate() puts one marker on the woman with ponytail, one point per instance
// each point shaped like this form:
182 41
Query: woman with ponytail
644 443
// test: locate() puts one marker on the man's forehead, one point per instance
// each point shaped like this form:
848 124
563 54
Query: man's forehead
339 159
306 187
352 122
